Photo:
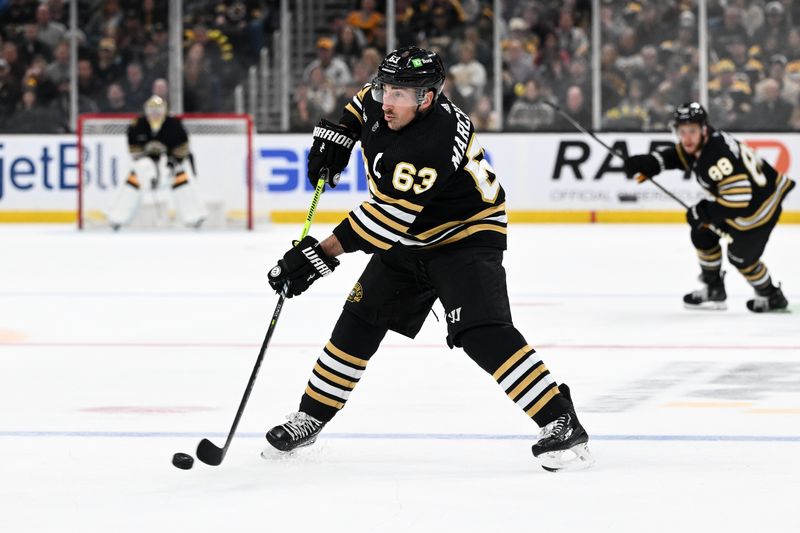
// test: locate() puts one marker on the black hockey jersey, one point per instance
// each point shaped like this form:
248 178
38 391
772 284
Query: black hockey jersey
430 183
172 135
747 191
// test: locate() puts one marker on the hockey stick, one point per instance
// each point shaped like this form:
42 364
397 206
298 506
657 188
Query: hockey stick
207 451
723 235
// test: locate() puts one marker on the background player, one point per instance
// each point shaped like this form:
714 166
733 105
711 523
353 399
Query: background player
150 137
747 194
436 228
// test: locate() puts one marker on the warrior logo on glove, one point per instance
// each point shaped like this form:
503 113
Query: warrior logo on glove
301 266
331 150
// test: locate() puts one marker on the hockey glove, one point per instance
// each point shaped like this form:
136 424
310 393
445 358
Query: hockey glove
641 167
697 215
331 149
301 266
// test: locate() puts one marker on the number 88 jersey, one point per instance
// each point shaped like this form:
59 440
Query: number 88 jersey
430 183
747 190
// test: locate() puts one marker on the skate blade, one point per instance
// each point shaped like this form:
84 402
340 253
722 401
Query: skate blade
271 453
707 306
576 458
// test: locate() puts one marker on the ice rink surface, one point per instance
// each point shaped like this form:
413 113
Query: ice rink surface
118 350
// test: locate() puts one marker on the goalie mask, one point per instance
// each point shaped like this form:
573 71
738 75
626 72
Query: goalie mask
408 67
155 111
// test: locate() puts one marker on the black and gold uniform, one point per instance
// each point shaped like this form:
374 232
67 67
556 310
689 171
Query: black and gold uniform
435 224
172 137
747 194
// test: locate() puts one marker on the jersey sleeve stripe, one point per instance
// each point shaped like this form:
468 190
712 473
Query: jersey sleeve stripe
361 232
740 191
355 113
389 200
735 204
730 180
375 212
479 216
469 231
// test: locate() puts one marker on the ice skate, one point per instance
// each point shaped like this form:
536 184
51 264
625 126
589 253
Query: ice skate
711 297
562 443
774 301
301 430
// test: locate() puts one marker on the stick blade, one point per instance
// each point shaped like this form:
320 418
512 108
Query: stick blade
209 453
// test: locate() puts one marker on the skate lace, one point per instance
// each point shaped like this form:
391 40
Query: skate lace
301 425
554 428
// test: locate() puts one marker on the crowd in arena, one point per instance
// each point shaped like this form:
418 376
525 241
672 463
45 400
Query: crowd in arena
122 56
649 59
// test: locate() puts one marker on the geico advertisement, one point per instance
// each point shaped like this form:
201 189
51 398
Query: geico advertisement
539 171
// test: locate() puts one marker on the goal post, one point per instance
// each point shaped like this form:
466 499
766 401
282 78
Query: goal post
221 145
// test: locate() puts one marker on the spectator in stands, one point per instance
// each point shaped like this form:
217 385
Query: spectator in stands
136 89
731 28
58 70
518 63
50 33
469 76
631 114
334 68
528 112
771 112
321 96
790 89
729 96
571 38
161 88
484 117
752 67
108 17
301 118
629 57
108 68
366 19
613 82
36 79
519 30
154 61
201 87
15 64
483 51
650 29
29 46
88 86
775 24
650 74
9 92
348 44
371 59
576 107
115 100
30 117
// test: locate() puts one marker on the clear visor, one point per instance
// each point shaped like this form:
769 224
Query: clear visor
397 96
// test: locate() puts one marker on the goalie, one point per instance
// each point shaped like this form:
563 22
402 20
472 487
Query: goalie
151 136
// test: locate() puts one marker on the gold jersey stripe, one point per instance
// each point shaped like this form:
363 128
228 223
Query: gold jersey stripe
323 399
442 227
766 211
511 361
679 149
725 203
371 209
363 92
709 257
535 408
333 377
388 199
732 179
366 236
471 230
527 381
350 108
345 356
737 190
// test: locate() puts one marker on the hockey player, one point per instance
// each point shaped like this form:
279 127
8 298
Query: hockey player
151 136
747 194
435 225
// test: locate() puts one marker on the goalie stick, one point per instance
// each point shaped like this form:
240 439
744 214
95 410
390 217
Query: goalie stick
207 451
723 235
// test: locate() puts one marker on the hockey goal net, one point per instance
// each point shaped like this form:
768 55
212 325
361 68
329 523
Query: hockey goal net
221 146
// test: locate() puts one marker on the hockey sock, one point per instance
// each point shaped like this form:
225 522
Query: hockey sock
710 262
502 351
340 366
758 277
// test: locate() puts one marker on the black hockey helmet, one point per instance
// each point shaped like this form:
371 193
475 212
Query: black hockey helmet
410 67
691 112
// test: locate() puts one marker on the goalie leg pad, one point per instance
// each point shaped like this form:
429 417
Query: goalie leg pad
126 202
187 200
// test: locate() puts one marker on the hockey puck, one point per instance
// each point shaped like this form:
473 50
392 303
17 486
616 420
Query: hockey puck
184 461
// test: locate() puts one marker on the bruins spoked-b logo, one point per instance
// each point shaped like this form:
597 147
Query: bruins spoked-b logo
356 293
